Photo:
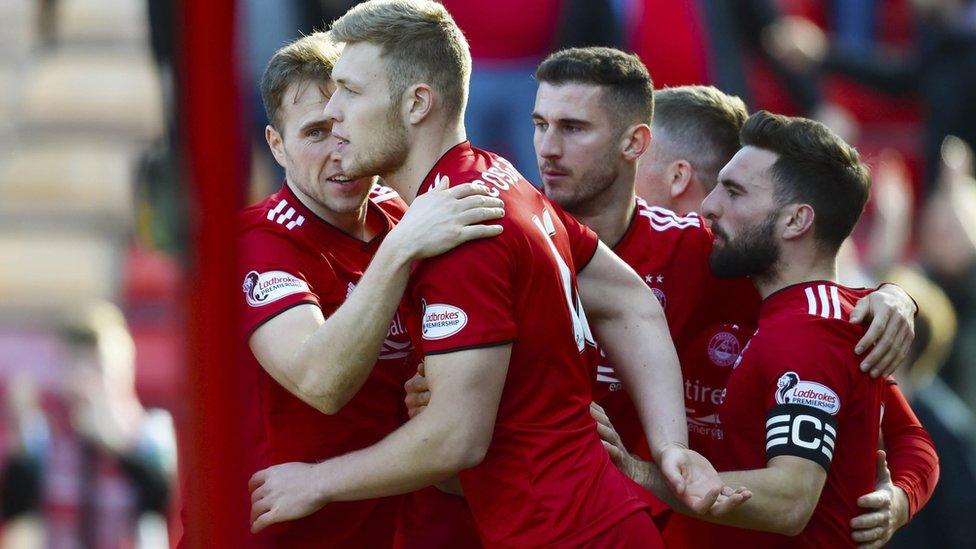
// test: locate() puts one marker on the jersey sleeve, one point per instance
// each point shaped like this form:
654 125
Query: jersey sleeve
272 278
807 384
464 297
582 240
911 455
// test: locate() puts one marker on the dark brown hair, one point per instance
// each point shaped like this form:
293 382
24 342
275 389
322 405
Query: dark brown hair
814 167
629 90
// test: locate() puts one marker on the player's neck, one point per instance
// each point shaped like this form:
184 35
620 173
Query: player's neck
352 223
609 214
428 146
796 270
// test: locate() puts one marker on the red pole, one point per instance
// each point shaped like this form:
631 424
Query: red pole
216 499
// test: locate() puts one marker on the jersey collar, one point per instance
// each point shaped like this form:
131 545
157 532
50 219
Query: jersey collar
446 163
319 224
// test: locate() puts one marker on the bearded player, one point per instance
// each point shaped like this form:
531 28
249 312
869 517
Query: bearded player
510 388
800 420
305 282
589 169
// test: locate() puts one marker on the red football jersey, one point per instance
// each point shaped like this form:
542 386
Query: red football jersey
291 257
798 390
709 319
546 479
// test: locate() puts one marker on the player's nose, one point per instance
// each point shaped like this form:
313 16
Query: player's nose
548 145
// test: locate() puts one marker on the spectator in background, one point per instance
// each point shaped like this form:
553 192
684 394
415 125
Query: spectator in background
946 520
102 478
947 250
509 38
941 70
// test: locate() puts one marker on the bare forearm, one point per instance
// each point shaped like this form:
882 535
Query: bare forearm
336 359
414 456
639 345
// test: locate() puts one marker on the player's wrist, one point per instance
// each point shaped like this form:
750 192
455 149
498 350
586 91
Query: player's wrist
320 483
397 251
899 506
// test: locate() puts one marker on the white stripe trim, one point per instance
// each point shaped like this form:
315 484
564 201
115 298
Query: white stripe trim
277 209
835 300
830 430
295 222
777 419
286 216
781 430
828 453
777 442
671 219
828 440
384 197
811 301
606 379
604 369
822 291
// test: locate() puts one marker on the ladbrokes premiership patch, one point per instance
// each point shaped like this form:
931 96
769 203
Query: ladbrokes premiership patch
790 389
268 287
442 320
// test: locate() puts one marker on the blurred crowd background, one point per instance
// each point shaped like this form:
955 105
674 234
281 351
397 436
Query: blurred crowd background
94 210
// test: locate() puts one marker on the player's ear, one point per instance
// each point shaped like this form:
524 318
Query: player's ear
419 102
800 221
680 174
276 143
636 140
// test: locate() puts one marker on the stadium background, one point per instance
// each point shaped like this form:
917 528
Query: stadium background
131 131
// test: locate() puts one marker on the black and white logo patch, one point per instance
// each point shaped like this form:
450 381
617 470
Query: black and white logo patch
790 389
801 431
270 286
441 320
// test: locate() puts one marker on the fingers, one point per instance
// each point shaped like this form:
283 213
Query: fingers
877 544
875 330
707 501
881 472
870 520
257 479
474 232
479 215
875 500
263 521
420 369
616 455
479 201
441 183
259 508
884 356
867 536
860 311
469 189
608 434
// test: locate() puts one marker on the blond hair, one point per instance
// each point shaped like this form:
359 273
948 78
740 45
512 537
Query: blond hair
308 60
421 43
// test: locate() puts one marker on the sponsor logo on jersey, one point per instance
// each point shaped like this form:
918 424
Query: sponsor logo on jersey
723 349
441 320
268 287
790 389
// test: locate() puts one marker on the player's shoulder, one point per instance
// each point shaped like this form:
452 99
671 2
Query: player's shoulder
810 321
388 200
275 214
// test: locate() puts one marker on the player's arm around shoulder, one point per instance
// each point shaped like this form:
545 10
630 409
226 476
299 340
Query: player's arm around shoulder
452 434
323 361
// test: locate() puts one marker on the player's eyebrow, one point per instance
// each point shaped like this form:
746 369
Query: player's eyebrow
730 184
317 122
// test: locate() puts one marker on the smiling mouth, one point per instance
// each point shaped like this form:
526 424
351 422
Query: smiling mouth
339 179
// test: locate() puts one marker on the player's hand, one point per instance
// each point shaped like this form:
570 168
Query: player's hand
693 479
283 492
445 217
418 392
892 329
624 461
886 510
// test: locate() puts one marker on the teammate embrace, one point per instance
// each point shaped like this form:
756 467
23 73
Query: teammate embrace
345 293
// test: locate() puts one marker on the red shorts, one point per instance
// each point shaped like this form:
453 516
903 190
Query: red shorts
635 532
